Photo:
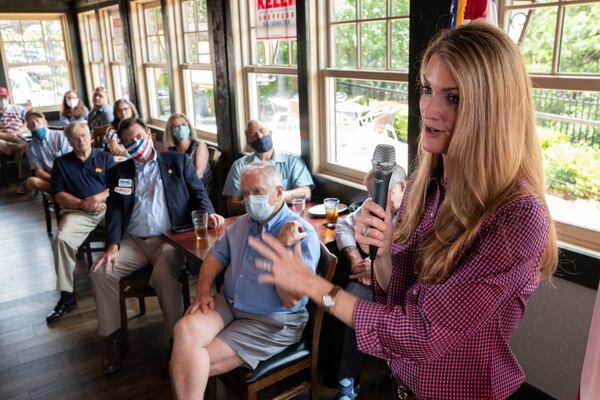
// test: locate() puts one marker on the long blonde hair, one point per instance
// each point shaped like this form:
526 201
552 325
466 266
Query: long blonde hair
494 147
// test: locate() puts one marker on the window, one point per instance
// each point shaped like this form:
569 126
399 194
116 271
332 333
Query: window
116 52
269 57
93 54
559 42
38 60
196 66
364 80
150 43
104 52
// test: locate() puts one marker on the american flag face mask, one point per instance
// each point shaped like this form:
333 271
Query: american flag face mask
140 149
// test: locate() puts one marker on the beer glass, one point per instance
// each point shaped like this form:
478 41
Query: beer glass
298 203
331 211
200 220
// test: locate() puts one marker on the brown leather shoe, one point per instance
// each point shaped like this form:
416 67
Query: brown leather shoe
116 347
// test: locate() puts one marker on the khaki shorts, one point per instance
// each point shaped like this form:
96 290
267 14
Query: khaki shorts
257 337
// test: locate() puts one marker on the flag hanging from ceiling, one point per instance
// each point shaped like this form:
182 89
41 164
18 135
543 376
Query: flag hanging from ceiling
465 11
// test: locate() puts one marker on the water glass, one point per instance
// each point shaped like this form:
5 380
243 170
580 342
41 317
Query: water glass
200 220
331 211
298 203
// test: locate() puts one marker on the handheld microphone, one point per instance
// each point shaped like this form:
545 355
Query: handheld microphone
384 161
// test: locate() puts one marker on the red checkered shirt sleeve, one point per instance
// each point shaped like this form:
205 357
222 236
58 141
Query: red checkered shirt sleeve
433 319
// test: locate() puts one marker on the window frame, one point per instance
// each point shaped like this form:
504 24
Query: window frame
327 71
183 66
87 50
67 46
111 61
141 57
556 80
246 36
107 62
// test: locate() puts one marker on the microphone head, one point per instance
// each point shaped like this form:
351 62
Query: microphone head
384 158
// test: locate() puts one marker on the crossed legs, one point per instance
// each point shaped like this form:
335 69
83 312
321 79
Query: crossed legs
199 354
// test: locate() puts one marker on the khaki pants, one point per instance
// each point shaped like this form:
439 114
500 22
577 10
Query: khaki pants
74 228
18 149
134 254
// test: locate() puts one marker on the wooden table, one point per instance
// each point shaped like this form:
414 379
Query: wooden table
198 249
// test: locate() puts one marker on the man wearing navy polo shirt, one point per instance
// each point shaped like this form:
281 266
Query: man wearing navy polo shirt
79 187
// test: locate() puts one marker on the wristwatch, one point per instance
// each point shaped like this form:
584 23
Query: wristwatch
328 299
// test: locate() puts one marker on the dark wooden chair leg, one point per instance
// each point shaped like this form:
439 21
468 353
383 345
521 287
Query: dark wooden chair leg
46 205
142 304
251 392
123 306
313 385
88 254
3 168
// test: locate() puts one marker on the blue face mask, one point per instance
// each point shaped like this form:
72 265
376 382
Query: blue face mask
258 207
39 134
181 133
263 144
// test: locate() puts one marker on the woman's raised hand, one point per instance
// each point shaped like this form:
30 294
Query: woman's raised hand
282 267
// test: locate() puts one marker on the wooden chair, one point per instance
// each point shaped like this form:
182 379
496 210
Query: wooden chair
216 165
6 162
48 204
98 135
137 285
300 357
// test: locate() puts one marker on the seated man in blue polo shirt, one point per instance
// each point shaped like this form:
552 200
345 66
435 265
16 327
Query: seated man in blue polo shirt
45 146
295 177
248 321
79 187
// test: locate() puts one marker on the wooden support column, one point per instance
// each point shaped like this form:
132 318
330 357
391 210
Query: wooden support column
224 78
427 17
132 78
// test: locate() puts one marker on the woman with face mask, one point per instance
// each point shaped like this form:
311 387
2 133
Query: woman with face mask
180 136
122 109
73 108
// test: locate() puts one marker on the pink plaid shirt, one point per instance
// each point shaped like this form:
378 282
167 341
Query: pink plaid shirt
450 340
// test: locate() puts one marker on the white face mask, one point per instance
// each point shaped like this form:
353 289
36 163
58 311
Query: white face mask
258 207
4 103
72 103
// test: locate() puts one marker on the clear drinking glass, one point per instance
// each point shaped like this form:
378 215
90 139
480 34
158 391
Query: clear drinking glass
200 220
331 211
298 203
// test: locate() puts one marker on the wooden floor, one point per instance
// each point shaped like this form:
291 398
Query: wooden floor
62 361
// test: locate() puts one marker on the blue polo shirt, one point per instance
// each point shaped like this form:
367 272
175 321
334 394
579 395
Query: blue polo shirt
242 289
81 178
294 173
